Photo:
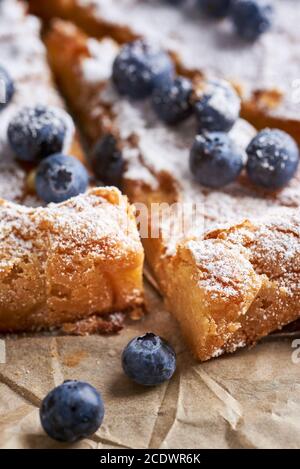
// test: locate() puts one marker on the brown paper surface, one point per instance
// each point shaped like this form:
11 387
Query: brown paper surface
247 400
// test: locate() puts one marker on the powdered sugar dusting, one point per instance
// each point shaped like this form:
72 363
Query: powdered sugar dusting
165 150
249 270
105 51
23 55
85 241
223 99
81 223
272 62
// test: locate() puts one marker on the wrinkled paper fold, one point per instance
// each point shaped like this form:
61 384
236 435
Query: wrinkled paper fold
247 400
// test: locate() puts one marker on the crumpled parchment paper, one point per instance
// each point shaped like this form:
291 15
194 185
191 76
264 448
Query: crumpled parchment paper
247 400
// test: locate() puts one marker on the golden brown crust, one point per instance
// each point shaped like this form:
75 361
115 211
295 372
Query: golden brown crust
108 324
82 16
68 261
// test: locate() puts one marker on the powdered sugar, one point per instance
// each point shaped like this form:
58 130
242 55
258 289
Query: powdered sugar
242 298
106 52
165 150
81 222
223 99
272 62
90 241
23 55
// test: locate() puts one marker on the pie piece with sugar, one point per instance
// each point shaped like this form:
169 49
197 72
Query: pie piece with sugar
68 261
65 262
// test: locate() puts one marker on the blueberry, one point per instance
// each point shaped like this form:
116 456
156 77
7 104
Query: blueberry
37 132
217 106
7 88
273 158
60 177
139 68
215 161
174 2
215 8
172 101
251 18
108 162
72 411
149 360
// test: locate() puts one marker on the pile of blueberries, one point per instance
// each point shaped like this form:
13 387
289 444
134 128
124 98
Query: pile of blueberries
250 18
75 409
37 136
141 70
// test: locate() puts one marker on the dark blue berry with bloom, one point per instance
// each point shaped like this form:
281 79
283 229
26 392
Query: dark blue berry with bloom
149 360
174 2
37 132
215 160
252 18
217 106
172 101
72 411
60 177
108 162
139 68
273 158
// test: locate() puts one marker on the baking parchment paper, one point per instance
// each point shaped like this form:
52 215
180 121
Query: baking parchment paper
247 400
